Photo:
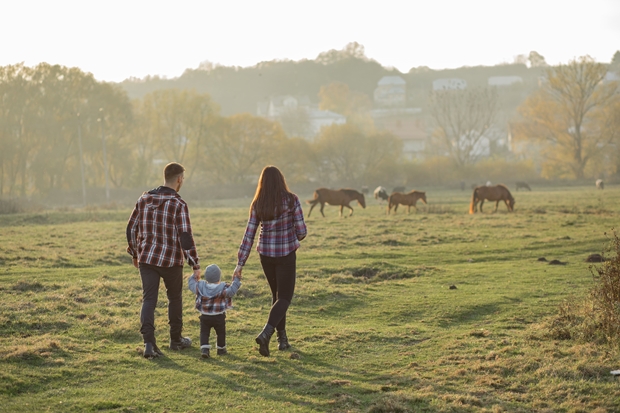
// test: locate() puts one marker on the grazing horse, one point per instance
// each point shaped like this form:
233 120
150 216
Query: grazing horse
408 199
600 184
381 192
340 197
491 193
523 185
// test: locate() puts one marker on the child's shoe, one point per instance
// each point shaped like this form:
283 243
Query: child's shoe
204 352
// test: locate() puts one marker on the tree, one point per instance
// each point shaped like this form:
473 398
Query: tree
462 119
352 50
346 154
338 98
570 117
241 146
39 109
355 106
296 122
536 59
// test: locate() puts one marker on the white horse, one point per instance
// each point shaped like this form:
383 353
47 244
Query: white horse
600 184
381 192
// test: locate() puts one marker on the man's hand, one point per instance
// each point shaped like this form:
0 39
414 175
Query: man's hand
197 275
237 276
135 262
237 272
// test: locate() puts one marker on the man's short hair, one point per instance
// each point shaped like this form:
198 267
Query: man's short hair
172 170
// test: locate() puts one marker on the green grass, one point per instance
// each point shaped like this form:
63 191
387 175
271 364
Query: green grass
374 324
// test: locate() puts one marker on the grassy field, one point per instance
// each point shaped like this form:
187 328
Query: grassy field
374 324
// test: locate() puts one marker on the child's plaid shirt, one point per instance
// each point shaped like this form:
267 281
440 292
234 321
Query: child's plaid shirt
216 300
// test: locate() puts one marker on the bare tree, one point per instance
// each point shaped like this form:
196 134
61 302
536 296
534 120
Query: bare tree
462 119
571 116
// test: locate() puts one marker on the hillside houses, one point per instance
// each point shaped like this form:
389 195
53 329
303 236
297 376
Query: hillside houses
298 116
391 112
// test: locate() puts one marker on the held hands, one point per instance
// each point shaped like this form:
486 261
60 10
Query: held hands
237 272
197 275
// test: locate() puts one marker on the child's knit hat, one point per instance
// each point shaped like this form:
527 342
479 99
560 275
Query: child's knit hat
213 274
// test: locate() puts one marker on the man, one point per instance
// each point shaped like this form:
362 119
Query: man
159 235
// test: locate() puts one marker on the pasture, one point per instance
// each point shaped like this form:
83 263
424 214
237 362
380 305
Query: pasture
374 324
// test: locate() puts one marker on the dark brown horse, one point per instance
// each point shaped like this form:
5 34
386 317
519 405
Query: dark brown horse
341 197
491 193
523 185
409 199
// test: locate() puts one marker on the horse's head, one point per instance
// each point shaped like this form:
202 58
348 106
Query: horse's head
511 203
361 200
423 197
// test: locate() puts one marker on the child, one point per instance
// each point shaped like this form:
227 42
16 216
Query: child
213 298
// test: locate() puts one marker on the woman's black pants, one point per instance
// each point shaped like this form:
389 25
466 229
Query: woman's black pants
280 273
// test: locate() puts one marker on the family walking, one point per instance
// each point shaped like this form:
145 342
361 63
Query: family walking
160 240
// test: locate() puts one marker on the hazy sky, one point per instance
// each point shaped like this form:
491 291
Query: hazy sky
119 39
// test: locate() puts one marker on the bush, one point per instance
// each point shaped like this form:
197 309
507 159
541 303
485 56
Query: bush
9 206
595 318
606 292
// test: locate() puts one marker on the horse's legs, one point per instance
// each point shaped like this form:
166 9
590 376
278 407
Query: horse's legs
312 207
481 203
322 206
496 205
348 206
340 215
396 207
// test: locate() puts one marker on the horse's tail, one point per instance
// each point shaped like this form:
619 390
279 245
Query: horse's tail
389 204
473 201
315 200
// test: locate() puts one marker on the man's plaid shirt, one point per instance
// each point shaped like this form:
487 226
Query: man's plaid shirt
159 231
278 237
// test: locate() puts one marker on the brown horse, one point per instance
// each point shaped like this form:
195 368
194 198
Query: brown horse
340 197
523 185
408 199
491 193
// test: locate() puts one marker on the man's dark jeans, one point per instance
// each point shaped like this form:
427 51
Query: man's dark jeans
173 280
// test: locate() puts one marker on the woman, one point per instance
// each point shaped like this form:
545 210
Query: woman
281 220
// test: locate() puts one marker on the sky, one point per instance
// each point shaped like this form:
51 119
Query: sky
116 40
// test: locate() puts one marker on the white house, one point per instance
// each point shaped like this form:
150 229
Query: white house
391 92
279 107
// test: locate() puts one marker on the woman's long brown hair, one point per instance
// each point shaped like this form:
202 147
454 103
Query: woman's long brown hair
270 191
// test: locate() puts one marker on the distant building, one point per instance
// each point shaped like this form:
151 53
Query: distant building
391 92
298 116
504 80
406 124
612 77
449 84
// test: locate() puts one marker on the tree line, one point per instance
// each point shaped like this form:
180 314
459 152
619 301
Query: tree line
62 130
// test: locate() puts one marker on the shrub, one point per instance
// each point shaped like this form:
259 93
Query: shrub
606 292
596 317
9 206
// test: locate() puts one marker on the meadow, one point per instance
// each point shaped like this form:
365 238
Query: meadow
435 311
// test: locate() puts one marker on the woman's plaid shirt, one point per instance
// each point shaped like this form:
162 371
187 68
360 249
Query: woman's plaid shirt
278 237
159 231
